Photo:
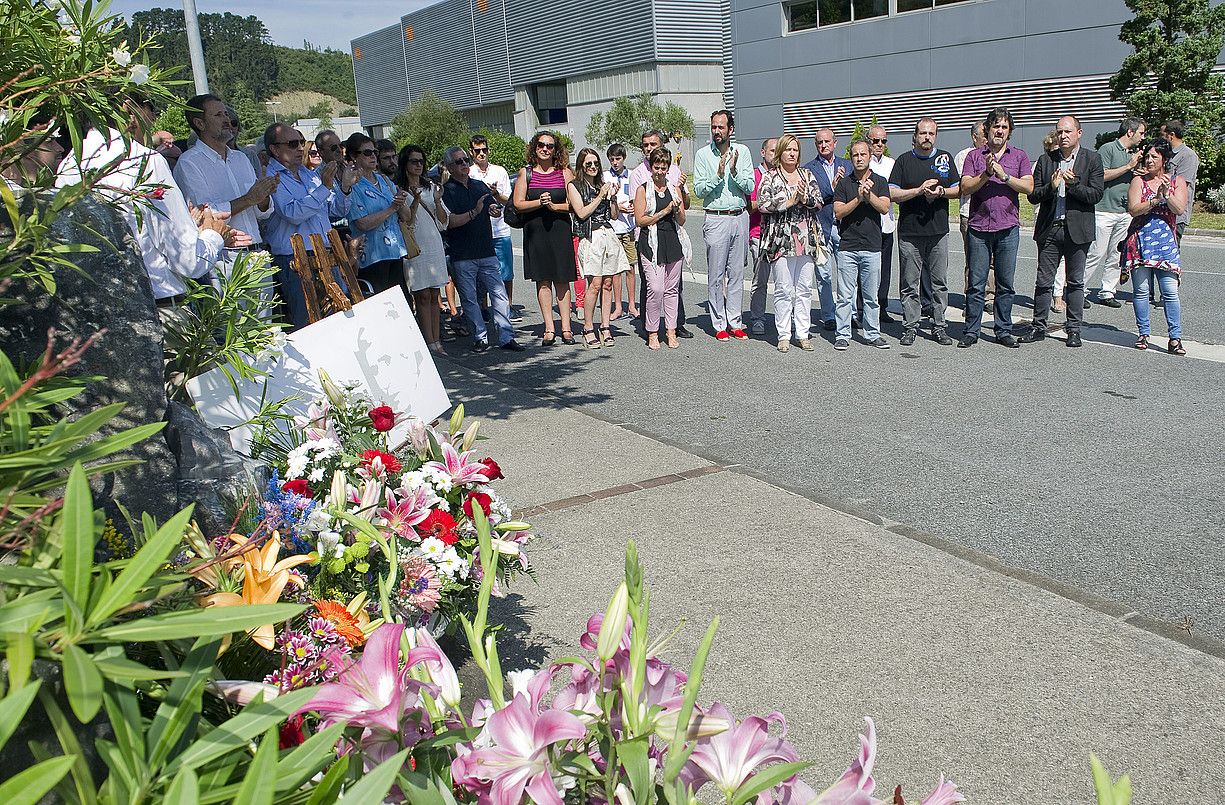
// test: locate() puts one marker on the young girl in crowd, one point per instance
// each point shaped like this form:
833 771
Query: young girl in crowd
600 255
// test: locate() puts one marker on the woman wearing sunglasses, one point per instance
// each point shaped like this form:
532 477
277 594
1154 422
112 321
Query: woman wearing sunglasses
375 208
548 247
600 254
426 273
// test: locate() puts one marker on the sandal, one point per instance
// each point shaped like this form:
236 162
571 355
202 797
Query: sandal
1174 347
608 337
548 339
653 341
591 339
567 337
1142 342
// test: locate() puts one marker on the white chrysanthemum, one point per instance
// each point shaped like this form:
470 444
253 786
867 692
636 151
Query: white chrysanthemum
325 448
438 477
316 475
452 565
432 548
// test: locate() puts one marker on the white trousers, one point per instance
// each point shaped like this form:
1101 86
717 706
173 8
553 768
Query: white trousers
793 278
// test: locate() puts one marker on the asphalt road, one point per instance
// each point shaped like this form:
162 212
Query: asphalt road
1100 468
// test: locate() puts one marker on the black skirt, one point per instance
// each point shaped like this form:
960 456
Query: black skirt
548 244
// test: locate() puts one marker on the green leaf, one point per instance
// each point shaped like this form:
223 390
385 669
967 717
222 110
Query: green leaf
140 568
24 613
19 653
83 785
770 777
326 790
120 781
210 622
121 669
27 576
254 719
29 786
420 789
184 790
679 752
123 713
82 683
183 701
77 521
308 758
259 784
375 784
13 708
633 755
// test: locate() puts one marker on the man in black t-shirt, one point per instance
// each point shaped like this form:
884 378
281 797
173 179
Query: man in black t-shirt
860 200
921 183
470 242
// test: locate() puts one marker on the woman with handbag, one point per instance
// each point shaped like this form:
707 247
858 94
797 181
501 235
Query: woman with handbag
425 272
663 246
375 206
789 199
1150 252
548 247
600 255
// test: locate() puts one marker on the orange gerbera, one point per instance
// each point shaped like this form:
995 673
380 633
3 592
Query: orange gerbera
348 625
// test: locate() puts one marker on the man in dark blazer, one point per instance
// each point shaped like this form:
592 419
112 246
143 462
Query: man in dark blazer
828 170
1068 182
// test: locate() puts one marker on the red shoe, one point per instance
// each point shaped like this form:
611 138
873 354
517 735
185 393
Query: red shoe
740 335
722 336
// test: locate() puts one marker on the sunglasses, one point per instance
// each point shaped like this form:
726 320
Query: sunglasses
480 150
546 146
415 161
591 164
880 140
367 152
461 161
313 152
292 143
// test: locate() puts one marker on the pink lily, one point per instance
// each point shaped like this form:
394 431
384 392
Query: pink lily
404 513
371 691
945 793
460 466
517 761
854 787
438 667
731 757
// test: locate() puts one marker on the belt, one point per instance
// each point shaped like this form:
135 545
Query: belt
171 301
725 212
257 247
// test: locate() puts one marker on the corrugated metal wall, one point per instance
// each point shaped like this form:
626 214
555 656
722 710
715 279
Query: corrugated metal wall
729 73
492 50
378 71
544 37
441 58
611 84
689 30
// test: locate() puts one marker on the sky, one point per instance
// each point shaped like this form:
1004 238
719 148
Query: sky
326 23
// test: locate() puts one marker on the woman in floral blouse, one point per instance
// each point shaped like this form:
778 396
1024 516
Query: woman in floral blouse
789 199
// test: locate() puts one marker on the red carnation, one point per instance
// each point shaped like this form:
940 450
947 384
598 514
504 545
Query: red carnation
492 469
298 486
383 418
483 500
439 524
390 463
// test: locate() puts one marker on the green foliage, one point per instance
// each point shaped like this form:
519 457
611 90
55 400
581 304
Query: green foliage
253 115
228 325
630 117
432 123
327 71
1170 75
566 142
322 111
1109 792
861 133
171 119
505 149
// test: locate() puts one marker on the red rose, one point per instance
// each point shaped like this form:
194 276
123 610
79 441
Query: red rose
439 524
298 486
492 469
291 733
383 418
390 463
483 500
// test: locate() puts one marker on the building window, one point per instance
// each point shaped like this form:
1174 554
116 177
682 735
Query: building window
805 15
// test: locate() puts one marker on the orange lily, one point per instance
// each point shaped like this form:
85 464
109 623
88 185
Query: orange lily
264 578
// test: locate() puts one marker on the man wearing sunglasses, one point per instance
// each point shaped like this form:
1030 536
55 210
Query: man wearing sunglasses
302 202
497 180
882 166
473 257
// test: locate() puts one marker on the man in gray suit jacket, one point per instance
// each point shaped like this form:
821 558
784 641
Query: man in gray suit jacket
1068 182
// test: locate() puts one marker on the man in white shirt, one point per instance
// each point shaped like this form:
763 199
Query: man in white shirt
625 228
211 173
174 244
498 182
882 166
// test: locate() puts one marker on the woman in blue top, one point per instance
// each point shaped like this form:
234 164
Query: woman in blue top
375 207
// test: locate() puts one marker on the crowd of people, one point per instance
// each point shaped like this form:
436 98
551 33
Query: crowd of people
597 232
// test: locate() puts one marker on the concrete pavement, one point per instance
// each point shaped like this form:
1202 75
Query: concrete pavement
831 613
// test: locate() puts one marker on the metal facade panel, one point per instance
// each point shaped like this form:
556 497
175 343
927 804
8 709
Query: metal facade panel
545 48
492 50
378 72
611 84
729 72
441 53
689 30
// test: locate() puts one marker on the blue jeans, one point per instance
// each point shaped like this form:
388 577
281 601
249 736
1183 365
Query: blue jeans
984 249
825 276
487 273
506 257
1168 281
858 272
291 289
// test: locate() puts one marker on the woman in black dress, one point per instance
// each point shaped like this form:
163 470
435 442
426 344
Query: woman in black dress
548 244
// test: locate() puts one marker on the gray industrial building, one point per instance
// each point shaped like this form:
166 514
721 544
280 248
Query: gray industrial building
518 65
800 65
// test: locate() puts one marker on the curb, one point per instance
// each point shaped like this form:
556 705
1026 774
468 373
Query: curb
1168 630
